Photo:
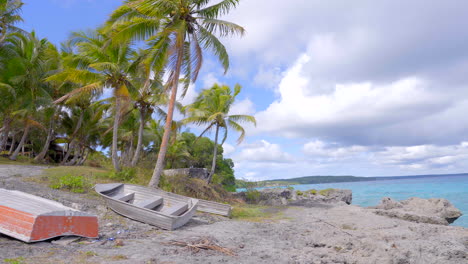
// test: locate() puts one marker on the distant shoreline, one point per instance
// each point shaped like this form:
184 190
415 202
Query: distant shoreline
240 184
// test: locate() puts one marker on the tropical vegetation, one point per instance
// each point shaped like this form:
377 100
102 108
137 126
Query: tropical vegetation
106 97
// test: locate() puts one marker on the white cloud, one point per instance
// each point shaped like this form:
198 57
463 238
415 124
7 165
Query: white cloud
320 149
209 79
423 156
358 106
263 152
228 149
243 107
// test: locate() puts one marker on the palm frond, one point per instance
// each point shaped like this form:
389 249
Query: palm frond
237 128
209 41
223 28
219 9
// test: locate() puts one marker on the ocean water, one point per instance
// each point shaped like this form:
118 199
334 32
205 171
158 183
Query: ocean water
369 193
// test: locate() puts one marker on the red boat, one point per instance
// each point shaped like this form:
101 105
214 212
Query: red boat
31 218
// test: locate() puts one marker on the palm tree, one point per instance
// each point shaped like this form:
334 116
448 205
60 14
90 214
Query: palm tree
211 109
9 16
52 63
149 98
177 32
100 64
27 66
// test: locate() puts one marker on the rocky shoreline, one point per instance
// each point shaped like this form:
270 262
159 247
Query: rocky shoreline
304 231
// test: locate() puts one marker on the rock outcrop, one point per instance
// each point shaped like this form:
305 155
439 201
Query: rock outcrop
200 173
432 211
278 196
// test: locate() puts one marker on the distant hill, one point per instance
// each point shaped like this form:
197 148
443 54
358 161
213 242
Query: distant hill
325 179
330 179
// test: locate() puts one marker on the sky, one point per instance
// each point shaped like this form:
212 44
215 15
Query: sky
364 88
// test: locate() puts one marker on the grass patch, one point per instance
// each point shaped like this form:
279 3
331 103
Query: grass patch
256 213
326 192
76 184
79 179
21 160
18 260
312 191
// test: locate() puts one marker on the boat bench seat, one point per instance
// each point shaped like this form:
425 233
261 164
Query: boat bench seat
175 209
150 203
124 197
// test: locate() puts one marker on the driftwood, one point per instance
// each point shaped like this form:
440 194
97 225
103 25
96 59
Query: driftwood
204 243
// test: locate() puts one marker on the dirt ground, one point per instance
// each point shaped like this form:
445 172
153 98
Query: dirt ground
321 234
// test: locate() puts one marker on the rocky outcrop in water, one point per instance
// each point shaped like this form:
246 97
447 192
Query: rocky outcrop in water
432 211
277 197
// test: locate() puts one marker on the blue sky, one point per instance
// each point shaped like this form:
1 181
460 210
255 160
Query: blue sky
337 87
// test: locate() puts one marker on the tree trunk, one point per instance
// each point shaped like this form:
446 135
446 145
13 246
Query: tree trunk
13 142
75 157
215 153
140 138
21 143
71 145
50 133
158 169
70 148
6 131
84 156
115 157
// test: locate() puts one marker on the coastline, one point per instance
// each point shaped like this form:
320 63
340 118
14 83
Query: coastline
323 233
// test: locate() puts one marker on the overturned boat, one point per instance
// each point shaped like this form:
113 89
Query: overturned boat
31 218
147 205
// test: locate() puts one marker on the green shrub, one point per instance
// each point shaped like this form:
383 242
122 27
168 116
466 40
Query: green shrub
252 196
77 184
326 192
299 193
313 191
126 174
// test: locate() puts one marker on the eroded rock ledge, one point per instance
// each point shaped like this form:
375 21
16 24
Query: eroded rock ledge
277 196
432 211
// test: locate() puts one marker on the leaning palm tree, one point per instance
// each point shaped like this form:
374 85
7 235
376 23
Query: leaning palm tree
211 109
177 32
9 16
98 65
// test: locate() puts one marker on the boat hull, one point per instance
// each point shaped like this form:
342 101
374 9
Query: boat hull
152 217
30 218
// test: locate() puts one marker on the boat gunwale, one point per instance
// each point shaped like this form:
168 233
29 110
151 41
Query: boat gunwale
193 201
217 208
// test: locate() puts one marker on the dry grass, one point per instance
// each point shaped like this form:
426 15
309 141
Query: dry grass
21 160
197 188
257 213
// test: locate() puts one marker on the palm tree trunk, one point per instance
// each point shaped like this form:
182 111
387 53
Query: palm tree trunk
72 138
158 169
70 148
215 153
84 156
115 157
140 138
50 133
75 157
13 142
6 132
21 143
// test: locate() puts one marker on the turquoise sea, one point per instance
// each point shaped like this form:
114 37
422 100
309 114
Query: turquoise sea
369 193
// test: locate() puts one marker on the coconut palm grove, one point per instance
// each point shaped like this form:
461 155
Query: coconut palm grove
106 97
